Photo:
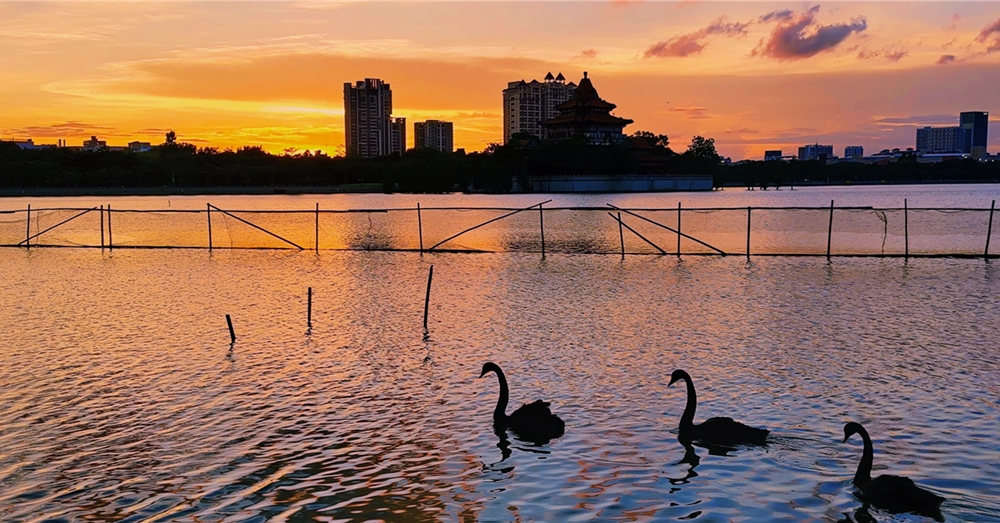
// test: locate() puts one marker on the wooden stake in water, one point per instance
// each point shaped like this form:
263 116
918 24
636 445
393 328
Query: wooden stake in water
427 299
102 227
829 232
621 234
420 229
309 309
317 226
906 229
27 233
989 230
678 229
208 208
748 232
232 333
111 244
541 224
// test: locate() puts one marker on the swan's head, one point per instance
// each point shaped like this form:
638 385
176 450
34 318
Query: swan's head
851 429
489 367
678 375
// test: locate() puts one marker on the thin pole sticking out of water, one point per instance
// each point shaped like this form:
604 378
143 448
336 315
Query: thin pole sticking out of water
232 333
906 228
27 233
621 234
748 232
829 232
309 308
208 206
420 229
427 299
317 230
678 229
541 224
989 230
102 227
111 244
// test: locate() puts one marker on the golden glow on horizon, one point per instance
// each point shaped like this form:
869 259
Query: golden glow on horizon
232 74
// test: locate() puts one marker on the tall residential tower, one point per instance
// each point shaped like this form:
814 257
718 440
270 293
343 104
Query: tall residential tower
434 134
369 128
527 104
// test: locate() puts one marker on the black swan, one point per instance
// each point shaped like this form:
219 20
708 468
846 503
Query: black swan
714 431
892 493
532 421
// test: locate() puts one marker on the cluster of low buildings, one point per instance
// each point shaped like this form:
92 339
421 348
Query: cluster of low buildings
933 144
93 144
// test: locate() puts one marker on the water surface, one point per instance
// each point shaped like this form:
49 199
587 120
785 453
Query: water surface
122 399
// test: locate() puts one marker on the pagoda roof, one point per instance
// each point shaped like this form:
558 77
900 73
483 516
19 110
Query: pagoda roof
585 97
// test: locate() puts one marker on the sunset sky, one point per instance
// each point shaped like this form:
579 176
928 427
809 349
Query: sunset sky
752 75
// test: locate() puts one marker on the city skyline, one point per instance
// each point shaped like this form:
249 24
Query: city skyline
754 76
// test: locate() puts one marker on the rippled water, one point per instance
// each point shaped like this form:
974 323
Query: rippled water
122 400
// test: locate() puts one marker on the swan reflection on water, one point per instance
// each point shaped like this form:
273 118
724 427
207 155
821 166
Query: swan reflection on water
690 458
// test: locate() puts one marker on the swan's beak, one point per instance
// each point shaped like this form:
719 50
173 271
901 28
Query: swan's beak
671 383
846 438
483 374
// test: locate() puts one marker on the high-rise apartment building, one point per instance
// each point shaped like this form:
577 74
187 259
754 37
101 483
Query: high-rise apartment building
397 135
943 140
977 123
369 128
527 104
434 134
854 151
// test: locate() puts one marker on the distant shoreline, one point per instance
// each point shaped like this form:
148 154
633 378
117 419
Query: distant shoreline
357 189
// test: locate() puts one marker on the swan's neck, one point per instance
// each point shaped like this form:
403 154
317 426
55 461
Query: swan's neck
687 419
864 473
500 413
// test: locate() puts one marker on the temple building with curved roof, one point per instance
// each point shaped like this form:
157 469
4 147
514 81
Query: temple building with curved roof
586 113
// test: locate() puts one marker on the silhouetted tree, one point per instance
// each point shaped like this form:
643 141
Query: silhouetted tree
661 140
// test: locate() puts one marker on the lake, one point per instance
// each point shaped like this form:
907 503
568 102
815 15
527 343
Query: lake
123 400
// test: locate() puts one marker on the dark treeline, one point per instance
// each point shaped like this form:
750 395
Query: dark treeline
494 170
174 164
906 170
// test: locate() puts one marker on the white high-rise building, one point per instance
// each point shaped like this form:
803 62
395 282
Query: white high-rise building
527 104
369 128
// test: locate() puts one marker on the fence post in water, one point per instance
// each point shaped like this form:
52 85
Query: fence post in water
309 309
829 232
102 227
427 299
748 231
420 229
541 224
906 229
621 235
232 333
678 229
989 231
317 226
111 243
27 233
208 207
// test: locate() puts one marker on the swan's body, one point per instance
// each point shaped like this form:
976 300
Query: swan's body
713 431
892 493
532 421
